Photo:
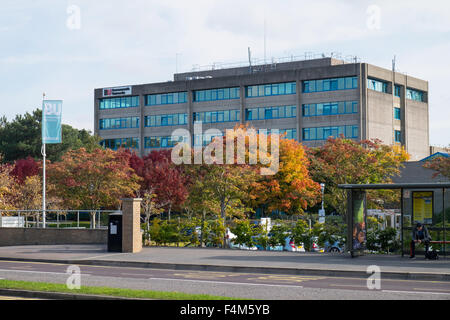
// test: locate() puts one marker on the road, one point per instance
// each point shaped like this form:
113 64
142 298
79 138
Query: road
239 285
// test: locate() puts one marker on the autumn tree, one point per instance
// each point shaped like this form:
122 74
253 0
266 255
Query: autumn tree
345 161
28 196
24 168
291 189
160 177
441 165
6 186
93 180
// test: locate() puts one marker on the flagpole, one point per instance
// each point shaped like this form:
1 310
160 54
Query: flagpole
43 171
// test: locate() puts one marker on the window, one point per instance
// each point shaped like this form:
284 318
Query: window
217 94
273 89
266 113
165 120
119 123
330 84
397 114
398 136
398 90
331 108
163 142
415 95
115 103
217 116
167 98
377 85
130 143
323 133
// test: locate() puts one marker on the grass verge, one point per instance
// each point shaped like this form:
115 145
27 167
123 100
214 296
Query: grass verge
105 291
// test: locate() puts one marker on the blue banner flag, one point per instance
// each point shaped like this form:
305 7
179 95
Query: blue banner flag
51 121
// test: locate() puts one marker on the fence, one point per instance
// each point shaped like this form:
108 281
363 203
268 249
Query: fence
80 219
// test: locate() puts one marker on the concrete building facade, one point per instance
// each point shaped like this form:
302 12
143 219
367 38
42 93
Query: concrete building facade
308 100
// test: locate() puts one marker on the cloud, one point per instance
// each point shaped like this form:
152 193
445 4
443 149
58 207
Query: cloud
139 41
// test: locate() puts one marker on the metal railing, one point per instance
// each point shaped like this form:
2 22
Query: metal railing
80 219
260 62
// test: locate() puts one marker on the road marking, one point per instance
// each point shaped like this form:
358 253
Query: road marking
416 292
432 289
44 272
347 285
225 282
287 278
103 256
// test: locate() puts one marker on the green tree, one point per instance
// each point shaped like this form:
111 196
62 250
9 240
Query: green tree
22 137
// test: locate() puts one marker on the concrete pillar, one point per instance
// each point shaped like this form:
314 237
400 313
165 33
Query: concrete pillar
131 225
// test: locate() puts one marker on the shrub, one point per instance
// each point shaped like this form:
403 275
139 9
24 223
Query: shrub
278 234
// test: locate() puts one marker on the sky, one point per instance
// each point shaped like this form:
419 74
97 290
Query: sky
68 48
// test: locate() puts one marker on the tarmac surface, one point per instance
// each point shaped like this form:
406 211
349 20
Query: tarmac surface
233 273
235 260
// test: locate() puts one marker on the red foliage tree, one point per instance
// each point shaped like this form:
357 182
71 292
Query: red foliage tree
25 168
161 177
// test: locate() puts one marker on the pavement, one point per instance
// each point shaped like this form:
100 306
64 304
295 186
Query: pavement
225 260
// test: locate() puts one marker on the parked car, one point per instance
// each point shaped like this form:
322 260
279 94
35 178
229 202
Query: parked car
335 247
292 247
230 236
315 246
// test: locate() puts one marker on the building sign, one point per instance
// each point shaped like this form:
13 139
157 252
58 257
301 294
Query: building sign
117 91
51 121
423 207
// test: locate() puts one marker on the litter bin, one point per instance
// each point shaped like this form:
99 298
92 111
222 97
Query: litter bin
115 232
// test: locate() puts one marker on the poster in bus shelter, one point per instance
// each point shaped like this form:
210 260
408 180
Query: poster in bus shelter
359 222
423 207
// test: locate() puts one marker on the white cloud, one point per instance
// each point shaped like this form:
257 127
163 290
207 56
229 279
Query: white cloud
137 42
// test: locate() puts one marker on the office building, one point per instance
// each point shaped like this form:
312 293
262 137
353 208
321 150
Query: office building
309 100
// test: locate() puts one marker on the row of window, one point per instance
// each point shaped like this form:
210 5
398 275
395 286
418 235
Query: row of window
218 116
377 85
274 89
168 98
119 123
162 142
331 108
291 134
330 84
323 133
115 103
271 113
166 120
130 143
415 95
217 94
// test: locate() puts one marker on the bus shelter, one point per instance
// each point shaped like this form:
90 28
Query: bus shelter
427 203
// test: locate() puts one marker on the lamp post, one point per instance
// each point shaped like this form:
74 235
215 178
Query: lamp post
322 211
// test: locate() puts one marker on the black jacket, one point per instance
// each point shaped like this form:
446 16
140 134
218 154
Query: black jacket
426 234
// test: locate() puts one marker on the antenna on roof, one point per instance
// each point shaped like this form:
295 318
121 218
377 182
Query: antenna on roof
393 63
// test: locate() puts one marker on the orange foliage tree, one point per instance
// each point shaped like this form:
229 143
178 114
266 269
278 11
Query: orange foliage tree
93 180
